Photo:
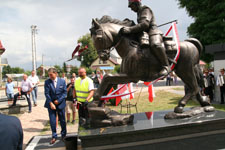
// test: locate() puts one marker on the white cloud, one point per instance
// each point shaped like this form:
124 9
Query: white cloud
60 23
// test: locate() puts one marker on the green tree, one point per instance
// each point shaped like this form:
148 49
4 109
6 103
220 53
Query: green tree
28 72
209 24
64 68
89 71
90 54
17 70
74 70
6 70
117 69
59 70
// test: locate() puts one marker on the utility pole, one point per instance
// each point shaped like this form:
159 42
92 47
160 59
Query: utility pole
43 69
34 60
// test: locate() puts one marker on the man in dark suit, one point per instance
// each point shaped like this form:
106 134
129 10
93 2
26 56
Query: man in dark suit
11 133
55 93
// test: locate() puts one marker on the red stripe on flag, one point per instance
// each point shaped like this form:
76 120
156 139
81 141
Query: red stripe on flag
110 91
148 115
118 99
129 89
169 30
75 50
150 92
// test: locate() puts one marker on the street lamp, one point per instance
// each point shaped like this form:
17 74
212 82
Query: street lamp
2 50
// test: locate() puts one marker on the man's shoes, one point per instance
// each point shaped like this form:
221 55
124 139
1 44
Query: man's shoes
35 105
68 121
13 105
73 122
63 138
29 111
53 140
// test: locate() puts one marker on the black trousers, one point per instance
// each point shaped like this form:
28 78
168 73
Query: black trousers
222 93
83 110
26 95
209 92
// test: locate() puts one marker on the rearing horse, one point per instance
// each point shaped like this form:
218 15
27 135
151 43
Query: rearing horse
140 63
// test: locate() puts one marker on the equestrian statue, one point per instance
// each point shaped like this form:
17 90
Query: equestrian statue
146 55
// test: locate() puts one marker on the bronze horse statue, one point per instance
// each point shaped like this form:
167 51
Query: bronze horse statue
140 64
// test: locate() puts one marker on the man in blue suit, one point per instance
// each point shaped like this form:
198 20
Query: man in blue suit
11 133
55 93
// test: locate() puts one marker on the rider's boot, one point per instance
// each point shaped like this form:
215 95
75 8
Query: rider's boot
160 53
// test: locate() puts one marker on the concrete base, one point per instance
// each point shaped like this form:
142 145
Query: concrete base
151 131
18 109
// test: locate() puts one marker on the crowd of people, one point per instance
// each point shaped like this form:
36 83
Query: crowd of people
63 96
210 81
62 99
29 85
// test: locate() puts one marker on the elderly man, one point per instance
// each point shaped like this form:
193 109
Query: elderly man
25 89
221 83
84 88
35 81
55 93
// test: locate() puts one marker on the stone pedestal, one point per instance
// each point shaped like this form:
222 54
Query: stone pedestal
151 131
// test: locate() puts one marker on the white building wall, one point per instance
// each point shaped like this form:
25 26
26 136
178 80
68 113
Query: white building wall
218 64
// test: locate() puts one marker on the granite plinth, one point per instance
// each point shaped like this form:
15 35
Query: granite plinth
151 130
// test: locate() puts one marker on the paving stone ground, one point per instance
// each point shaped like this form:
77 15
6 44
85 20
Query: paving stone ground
33 123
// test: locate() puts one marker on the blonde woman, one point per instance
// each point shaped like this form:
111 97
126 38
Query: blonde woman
9 90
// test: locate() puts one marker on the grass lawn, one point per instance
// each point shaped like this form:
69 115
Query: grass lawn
163 101
179 88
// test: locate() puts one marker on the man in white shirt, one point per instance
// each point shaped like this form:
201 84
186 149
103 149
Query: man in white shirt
35 81
25 89
221 82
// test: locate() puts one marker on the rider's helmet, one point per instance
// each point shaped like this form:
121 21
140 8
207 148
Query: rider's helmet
133 1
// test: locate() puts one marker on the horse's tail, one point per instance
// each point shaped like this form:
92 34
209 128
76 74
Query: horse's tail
197 43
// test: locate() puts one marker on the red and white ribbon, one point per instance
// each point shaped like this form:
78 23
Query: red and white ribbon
175 34
176 37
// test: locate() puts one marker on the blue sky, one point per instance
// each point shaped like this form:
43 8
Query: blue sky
60 23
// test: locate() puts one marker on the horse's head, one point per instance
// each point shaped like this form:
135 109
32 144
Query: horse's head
102 38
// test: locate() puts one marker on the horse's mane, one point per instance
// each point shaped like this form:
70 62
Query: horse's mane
108 19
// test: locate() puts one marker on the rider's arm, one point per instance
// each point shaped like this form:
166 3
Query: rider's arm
143 23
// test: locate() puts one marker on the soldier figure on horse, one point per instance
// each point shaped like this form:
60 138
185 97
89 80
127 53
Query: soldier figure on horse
150 35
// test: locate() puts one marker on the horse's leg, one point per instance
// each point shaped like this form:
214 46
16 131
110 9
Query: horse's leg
107 82
199 76
189 79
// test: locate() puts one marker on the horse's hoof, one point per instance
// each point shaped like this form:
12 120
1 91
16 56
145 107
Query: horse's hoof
205 101
179 109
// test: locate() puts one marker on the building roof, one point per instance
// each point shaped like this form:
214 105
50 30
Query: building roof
211 49
202 62
113 61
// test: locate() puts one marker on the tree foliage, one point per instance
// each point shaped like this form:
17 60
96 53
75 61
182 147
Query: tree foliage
74 70
89 55
117 69
12 70
64 68
209 24
59 70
